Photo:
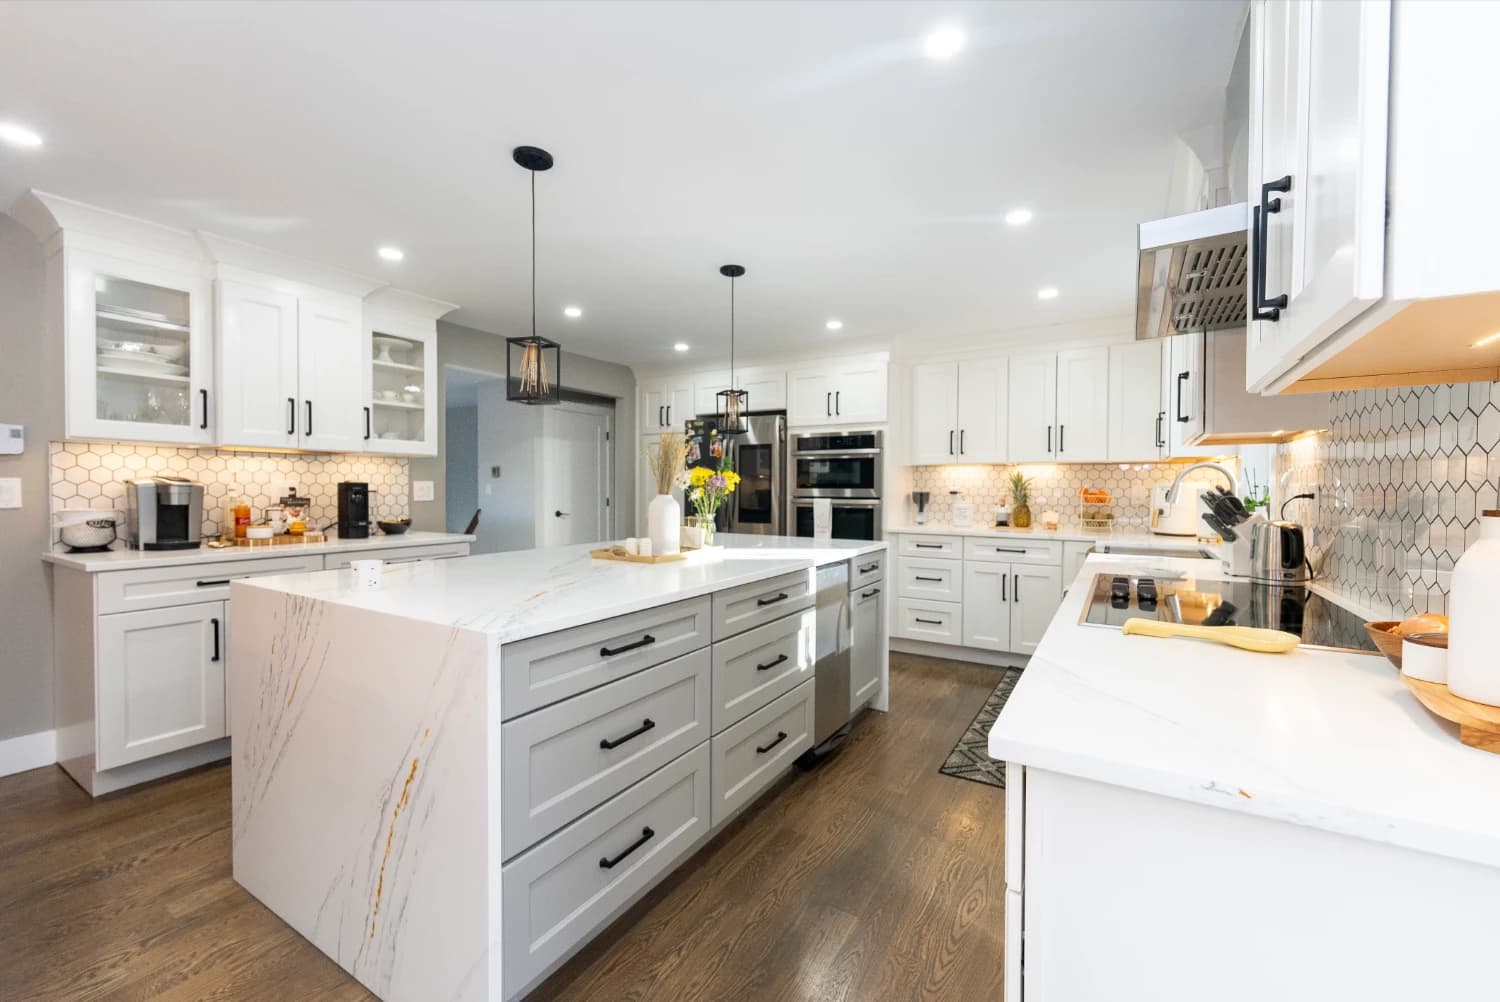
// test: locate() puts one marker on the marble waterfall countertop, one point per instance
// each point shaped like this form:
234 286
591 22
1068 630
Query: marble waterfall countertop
526 593
124 559
1326 739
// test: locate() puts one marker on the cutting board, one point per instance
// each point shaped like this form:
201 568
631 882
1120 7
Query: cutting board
1478 723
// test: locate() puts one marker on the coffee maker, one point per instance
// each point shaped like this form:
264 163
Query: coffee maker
164 513
354 510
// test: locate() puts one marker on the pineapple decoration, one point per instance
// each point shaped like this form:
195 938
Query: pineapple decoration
1020 497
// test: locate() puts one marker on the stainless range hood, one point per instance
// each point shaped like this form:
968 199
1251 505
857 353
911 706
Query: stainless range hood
1193 274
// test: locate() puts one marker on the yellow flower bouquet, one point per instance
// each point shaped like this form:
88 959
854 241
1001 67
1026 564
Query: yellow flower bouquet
708 489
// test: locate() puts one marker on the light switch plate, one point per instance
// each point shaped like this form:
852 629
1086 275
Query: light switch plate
421 490
10 492
12 440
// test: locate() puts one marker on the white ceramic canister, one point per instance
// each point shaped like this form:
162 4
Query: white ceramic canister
1473 626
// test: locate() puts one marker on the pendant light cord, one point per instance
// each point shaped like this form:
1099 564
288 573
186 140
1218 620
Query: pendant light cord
533 256
732 385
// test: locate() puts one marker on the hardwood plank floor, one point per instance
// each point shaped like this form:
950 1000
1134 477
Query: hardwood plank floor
873 877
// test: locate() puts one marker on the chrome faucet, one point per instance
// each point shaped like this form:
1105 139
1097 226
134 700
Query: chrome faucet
1176 487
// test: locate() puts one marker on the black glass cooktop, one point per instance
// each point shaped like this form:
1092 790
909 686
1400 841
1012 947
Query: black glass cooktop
1292 608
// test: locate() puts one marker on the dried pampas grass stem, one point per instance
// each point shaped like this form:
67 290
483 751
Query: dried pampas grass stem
668 461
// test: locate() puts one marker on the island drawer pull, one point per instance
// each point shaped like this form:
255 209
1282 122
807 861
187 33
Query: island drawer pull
778 659
935 580
1009 549
609 864
928 546
609 652
930 622
867 594
867 568
780 737
214 583
646 725
771 601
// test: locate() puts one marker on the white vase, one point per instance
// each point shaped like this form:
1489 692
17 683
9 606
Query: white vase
1473 628
664 525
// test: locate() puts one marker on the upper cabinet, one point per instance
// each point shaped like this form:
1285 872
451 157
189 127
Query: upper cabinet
1137 416
257 366
666 404
959 412
766 389
843 391
1032 408
1373 135
400 364
1059 406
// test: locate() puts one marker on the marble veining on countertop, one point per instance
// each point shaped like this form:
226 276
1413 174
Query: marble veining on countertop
123 559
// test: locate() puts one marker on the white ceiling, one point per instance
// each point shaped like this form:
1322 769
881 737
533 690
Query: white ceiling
811 142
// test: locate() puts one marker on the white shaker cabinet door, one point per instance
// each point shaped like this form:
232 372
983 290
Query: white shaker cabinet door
161 681
870 642
859 392
1137 420
934 413
257 366
982 412
987 606
331 355
1032 405
1083 405
1035 594
809 398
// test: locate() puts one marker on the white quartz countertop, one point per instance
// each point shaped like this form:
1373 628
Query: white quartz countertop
1133 536
746 546
512 596
1319 738
126 560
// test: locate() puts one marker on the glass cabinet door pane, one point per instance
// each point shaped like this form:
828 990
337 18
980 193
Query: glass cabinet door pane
398 385
143 346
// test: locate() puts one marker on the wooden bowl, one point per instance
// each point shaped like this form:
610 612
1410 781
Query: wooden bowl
1388 642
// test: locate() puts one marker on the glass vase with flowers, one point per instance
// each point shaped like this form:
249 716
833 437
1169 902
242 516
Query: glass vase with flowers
708 490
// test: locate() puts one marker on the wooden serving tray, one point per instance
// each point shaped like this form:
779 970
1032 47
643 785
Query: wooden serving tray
618 553
285 539
1478 723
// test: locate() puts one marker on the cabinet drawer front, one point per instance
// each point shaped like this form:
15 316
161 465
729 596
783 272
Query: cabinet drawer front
749 756
542 670
558 894
564 760
940 622
738 609
158 587
934 580
866 570
950 547
397 555
1013 551
756 666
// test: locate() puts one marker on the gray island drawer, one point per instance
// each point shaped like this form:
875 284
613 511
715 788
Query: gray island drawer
738 609
756 666
749 756
558 894
567 759
866 570
542 670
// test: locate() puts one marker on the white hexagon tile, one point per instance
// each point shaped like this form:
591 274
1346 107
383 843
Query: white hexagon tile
94 475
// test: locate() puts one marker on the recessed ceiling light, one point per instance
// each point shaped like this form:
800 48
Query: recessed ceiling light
1047 292
943 43
680 346
573 311
835 325
19 135
1018 217
391 254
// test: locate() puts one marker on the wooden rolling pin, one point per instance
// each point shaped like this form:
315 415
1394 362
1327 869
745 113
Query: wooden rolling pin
1244 637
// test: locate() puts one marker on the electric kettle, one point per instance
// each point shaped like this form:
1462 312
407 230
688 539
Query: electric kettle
1278 553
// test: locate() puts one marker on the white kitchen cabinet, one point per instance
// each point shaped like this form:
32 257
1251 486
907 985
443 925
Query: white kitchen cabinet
1137 418
666 404
1083 405
958 412
256 363
1209 408
845 391
400 408
160 681
986 618
1035 594
869 644
331 353
766 389
934 413
1032 406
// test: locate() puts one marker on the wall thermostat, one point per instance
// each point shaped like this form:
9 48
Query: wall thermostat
12 439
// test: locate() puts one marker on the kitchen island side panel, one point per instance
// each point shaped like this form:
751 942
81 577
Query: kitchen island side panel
362 768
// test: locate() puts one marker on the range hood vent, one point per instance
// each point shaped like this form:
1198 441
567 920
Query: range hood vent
1193 273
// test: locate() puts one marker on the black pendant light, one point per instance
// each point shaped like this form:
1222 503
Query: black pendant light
732 412
533 365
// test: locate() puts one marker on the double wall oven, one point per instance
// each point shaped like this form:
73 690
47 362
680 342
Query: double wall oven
847 468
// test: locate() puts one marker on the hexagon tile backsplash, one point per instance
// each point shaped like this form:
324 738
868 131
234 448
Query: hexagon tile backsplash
1401 476
94 475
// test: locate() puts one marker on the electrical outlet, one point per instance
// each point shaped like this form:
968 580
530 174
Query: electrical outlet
421 490
10 492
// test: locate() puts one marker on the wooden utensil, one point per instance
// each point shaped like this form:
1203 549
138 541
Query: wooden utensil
1478 723
1247 638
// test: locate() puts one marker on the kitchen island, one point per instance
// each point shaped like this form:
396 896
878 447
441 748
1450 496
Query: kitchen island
450 782
1187 821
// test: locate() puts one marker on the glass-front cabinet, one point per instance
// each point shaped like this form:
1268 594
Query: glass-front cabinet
401 405
138 342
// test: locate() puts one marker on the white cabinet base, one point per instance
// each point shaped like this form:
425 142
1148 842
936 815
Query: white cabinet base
957 652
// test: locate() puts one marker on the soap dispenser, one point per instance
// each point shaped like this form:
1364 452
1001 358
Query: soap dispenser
1473 626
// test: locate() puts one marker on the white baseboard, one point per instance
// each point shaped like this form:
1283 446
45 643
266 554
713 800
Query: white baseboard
29 751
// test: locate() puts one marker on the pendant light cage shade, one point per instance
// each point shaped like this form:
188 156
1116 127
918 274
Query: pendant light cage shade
533 370
732 410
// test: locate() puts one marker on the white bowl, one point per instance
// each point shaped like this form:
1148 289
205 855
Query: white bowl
1425 656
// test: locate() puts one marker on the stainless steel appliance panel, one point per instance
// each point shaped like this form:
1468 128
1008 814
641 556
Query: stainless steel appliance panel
837 464
759 456
853 518
831 693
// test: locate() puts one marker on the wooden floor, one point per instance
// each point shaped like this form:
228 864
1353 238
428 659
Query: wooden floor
872 878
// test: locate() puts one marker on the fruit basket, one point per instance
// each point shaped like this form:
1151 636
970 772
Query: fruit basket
1096 511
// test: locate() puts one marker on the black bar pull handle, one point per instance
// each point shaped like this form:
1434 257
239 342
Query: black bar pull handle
367 424
213 583
1017 588
1060 430
609 652
291 416
669 415
828 404
928 546
1002 588
837 409
961 449
1160 417
869 594
950 441
780 737
778 659
1009 549
772 600
204 425
1049 440
1182 378
936 580
646 725
1265 307
609 864
930 622
216 640
308 429
867 568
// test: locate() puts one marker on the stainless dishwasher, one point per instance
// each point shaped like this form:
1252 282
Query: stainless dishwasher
831 689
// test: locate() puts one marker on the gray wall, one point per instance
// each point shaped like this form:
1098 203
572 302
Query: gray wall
509 434
485 352
30 395
462 459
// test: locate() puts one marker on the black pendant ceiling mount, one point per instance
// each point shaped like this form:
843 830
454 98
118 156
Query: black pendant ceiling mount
733 404
533 364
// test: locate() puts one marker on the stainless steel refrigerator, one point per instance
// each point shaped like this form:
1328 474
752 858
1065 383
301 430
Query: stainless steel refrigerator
759 457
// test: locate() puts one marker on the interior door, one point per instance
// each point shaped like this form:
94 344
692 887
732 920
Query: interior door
982 411
934 413
1137 419
1036 592
161 681
257 366
1083 405
987 606
576 476
331 363
1032 407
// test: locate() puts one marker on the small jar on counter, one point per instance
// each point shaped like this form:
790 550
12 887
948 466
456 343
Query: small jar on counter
1473 626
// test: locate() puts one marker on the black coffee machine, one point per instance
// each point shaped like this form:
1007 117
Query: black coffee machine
354 510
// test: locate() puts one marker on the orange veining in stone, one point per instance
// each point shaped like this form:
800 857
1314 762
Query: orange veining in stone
390 838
